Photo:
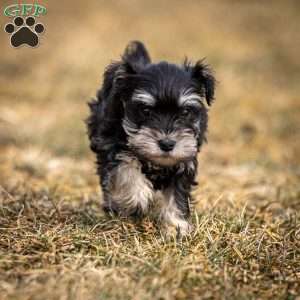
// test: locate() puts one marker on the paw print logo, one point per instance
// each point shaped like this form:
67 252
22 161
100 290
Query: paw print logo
24 32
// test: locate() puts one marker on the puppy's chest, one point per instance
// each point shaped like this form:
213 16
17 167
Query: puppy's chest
160 177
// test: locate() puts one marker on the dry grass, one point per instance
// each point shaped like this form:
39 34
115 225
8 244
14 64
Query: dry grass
55 243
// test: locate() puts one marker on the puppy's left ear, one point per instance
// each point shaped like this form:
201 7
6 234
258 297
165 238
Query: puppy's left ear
203 76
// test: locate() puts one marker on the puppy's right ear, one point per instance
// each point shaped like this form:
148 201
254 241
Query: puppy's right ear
134 59
136 56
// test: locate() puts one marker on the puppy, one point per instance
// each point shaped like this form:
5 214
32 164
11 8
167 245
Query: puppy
146 126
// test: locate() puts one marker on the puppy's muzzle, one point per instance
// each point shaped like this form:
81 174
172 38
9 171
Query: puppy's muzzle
166 145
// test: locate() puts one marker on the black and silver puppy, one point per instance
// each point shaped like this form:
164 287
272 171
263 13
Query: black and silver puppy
146 127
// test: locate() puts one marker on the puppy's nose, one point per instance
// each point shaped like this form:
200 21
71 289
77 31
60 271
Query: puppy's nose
166 145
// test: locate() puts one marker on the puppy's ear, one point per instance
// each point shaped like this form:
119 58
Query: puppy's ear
108 78
135 56
134 59
203 76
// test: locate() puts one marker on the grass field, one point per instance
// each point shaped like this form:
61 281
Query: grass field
55 243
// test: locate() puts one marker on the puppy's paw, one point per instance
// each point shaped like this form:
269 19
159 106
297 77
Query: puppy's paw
169 232
173 232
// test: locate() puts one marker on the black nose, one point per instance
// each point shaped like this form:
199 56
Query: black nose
166 145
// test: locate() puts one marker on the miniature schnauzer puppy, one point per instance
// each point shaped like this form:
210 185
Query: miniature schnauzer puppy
146 126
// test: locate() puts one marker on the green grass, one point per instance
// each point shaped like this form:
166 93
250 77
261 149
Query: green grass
56 243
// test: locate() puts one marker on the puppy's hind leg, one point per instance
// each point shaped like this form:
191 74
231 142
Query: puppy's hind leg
128 191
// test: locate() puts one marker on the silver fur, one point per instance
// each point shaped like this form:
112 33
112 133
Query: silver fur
189 97
129 188
145 143
144 97
170 215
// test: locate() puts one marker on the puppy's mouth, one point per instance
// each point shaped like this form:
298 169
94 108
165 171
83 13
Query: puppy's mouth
162 149
165 159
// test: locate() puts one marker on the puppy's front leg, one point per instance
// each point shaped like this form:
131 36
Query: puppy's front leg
128 191
175 212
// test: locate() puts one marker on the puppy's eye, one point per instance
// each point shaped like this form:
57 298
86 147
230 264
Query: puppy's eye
146 111
186 112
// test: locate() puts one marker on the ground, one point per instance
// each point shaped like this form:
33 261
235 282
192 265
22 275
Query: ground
55 243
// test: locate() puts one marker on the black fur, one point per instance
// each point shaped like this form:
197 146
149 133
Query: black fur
165 82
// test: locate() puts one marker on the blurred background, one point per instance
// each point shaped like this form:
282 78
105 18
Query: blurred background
253 47
55 242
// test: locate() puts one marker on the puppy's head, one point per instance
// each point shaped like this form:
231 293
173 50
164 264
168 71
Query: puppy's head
165 115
